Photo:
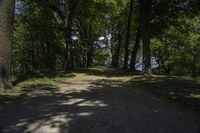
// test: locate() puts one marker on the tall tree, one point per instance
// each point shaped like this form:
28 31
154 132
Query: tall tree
128 33
6 35
72 5
145 17
115 58
135 50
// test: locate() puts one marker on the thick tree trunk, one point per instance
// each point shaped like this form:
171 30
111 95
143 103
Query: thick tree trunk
126 57
145 17
146 55
68 59
135 50
6 37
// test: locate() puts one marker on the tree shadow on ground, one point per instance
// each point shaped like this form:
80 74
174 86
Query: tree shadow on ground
8 96
106 106
175 89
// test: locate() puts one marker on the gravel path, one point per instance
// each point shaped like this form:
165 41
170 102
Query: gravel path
93 104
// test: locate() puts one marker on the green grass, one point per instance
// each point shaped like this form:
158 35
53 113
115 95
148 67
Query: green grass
183 91
28 82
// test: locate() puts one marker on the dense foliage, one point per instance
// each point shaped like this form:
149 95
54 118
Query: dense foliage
99 34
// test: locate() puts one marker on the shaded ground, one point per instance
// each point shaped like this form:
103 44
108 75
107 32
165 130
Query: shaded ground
94 101
182 91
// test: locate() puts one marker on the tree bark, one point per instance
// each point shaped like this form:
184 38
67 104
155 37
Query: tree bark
145 17
89 57
90 52
6 40
127 42
135 50
68 61
115 60
193 66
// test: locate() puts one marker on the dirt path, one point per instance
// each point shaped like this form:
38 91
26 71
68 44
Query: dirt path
93 104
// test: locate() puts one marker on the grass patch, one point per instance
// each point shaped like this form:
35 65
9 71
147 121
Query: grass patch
106 72
30 83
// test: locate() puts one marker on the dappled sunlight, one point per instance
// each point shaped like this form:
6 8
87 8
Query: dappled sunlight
85 114
92 104
99 66
95 104
194 96
52 125
72 101
55 107
54 113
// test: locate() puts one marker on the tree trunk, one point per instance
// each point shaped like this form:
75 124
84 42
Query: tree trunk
112 50
135 50
6 40
115 62
68 34
90 51
89 59
145 17
90 54
193 66
127 42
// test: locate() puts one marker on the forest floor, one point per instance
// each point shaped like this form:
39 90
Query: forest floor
101 100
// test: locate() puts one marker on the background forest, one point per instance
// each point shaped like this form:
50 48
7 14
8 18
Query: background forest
52 35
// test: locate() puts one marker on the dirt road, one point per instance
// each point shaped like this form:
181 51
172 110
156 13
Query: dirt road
93 103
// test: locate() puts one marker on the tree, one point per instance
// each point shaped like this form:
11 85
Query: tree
145 17
118 30
62 34
128 34
116 55
174 36
135 50
37 41
69 63
6 33
67 17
